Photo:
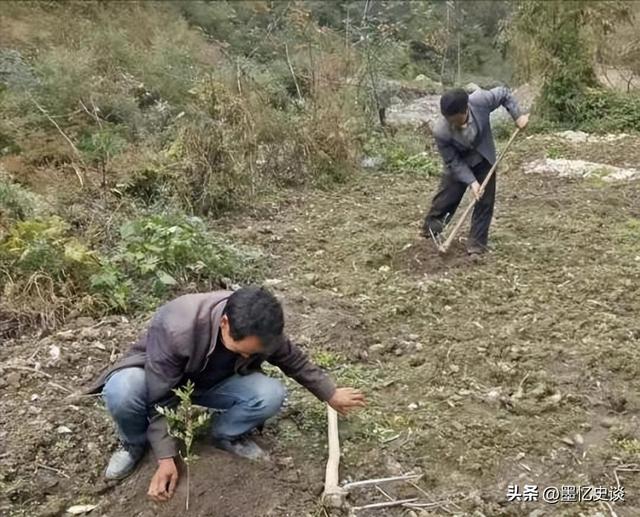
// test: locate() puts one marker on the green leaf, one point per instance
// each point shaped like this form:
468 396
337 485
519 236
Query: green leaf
166 278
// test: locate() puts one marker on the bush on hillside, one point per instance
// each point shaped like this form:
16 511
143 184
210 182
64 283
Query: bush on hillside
160 254
45 270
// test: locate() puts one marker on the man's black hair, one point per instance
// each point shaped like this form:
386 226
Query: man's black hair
254 311
453 102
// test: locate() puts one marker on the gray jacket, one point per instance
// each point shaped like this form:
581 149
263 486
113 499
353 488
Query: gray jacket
454 151
180 341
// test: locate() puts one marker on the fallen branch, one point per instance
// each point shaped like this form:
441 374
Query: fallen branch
399 502
423 492
368 482
435 504
52 469
28 369
60 387
64 135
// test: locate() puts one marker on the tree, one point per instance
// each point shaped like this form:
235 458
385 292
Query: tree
557 40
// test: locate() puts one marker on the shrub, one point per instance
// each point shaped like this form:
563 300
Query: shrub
608 111
403 154
161 254
44 269
16 203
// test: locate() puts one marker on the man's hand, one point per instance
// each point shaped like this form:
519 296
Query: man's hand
476 188
345 400
164 481
522 121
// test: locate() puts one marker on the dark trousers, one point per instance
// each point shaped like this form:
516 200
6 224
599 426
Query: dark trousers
448 197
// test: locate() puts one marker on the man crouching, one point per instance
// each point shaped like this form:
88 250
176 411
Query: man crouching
217 340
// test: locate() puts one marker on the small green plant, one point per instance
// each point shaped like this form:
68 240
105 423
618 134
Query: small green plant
402 155
326 359
554 152
100 147
184 422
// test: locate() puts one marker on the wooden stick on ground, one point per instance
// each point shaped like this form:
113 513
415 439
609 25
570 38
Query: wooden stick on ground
447 243
368 482
399 502
334 496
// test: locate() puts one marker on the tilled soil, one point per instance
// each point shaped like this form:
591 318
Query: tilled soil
520 368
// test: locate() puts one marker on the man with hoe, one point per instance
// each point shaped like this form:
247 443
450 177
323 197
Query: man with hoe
465 142
218 341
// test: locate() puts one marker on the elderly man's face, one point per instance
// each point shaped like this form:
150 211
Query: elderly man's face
459 120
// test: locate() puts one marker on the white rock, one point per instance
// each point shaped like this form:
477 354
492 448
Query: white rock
63 429
79 509
564 168
54 352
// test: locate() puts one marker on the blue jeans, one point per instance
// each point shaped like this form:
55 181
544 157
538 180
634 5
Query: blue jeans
248 400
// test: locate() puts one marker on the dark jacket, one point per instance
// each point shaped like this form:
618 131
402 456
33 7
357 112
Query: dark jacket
454 151
180 340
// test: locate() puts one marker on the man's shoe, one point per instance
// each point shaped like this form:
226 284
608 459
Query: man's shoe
243 447
124 461
475 250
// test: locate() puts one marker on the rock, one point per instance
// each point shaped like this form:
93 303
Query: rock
554 399
63 429
393 466
564 168
54 352
573 136
608 421
377 348
80 509
412 407
493 395
578 439
286 462
52 507
84 321
89 333
454 368
567 441
66 335
471 87
539 390
13 379
425 110
416 361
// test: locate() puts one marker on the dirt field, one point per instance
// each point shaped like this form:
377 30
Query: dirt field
518 369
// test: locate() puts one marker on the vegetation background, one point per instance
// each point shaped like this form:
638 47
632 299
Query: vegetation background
129 128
